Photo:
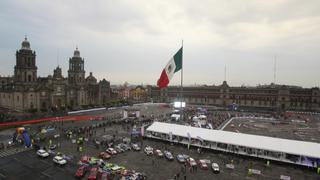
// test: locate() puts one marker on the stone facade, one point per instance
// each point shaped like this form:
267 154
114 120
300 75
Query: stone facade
273 97
25 91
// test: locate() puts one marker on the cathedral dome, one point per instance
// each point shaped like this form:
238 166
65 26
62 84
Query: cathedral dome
25 44
76 53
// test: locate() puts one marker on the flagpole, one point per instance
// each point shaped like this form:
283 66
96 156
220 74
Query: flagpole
181 86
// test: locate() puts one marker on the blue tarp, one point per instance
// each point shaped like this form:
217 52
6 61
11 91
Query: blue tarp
26 138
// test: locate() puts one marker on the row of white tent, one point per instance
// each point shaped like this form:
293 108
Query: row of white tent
256 143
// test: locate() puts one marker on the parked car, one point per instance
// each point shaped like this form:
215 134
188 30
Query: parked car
81 171
104 155
125 147
203 165
191 162
182 158
94 161
119 149
111 151
148 150
93 173
168 155
215 168
135 147
117 168
42 153
59 160
158 153
85 159
52 146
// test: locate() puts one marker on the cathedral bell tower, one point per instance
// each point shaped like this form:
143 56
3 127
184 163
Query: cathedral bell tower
25 70
76 73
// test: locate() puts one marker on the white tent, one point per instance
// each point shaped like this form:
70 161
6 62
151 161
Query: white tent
303 148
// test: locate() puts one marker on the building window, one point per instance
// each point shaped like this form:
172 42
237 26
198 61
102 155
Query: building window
29 78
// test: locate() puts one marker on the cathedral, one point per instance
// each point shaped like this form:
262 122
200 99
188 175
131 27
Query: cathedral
25 91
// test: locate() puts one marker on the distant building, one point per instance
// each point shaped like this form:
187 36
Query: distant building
132 93
273 97
123 92
26 91
138 94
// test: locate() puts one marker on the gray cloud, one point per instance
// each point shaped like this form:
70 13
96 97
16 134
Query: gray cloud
133 40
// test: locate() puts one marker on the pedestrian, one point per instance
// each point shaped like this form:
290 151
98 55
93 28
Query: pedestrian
185 177
178 175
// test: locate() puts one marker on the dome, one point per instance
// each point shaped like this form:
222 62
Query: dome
25 44
76 53
91 79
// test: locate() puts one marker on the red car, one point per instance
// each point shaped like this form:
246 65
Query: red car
81 171
104 176
158 153
104 155
93 173
191 162
202 164
85 159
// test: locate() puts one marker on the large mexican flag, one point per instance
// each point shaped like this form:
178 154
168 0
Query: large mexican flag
173 66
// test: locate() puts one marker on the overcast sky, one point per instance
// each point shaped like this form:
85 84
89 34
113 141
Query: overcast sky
133 40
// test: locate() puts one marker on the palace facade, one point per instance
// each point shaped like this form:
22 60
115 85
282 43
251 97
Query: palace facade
273 97
26 91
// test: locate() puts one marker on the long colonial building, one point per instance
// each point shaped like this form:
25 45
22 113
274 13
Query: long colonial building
273 97
26 91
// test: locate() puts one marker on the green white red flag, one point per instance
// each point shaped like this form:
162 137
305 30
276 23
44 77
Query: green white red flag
173 66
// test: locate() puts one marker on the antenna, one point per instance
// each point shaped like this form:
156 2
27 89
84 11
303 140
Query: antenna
275 69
